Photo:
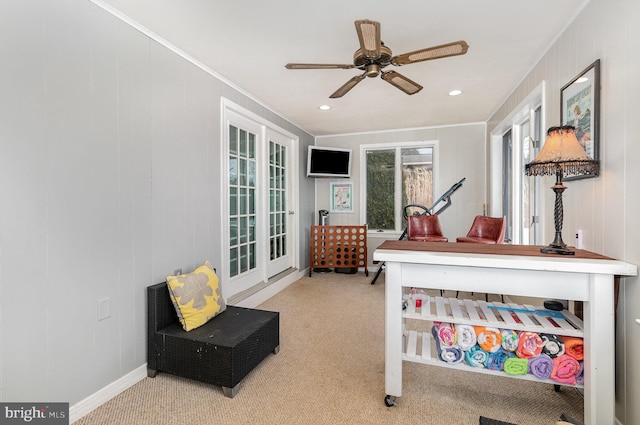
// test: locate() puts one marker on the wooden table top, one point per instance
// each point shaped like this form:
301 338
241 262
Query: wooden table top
489 249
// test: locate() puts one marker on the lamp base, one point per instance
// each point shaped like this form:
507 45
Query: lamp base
557 249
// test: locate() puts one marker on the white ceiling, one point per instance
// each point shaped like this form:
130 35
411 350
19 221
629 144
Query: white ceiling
248 43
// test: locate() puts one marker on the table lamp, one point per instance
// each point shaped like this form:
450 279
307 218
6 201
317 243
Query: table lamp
561 155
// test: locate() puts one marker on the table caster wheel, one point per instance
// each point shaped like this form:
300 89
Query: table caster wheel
390 401
556 388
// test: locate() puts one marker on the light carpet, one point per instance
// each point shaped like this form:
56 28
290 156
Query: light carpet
330 370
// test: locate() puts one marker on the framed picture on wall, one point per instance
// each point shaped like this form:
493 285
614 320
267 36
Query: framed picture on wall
341 197
580 107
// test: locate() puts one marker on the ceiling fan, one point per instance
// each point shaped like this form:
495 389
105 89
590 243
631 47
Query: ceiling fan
373 56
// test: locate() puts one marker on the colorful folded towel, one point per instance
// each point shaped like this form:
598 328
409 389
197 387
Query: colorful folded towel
516 366
489 339
447 354
529 345
580 374
574 347
496 360
541 366
446 333
476 357
509 339
466 336
552 345
565 369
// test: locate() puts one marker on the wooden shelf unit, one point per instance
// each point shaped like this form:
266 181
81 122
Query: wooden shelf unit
517 270
419 345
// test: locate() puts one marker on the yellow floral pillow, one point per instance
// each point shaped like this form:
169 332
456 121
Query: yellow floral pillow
196 296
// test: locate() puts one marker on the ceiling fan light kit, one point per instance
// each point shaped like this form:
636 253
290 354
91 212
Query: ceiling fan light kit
373 56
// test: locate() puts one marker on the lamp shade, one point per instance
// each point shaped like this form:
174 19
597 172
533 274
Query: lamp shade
562 153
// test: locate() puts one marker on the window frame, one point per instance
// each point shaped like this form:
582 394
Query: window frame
397 146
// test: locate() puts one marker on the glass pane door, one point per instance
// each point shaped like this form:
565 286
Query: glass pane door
280 217
242 201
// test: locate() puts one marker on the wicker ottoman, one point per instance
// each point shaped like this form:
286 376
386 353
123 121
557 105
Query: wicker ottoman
221 352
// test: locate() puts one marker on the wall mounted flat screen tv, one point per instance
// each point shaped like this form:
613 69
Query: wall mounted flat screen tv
328 162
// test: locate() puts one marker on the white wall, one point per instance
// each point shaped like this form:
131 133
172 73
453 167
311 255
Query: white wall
606 207
109 181
467 202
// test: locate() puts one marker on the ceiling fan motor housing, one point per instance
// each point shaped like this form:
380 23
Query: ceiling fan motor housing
361 61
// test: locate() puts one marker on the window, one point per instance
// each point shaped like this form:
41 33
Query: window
396 175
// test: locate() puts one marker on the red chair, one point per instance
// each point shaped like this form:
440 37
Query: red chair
424 228
488 230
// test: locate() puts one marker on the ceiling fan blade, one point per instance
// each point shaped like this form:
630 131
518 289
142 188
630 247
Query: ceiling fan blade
400 81
348 86
318 66
369 36
450 49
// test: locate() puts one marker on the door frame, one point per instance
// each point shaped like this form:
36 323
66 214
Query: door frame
536 98
231 111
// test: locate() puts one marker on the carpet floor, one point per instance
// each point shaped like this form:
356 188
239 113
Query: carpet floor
330 370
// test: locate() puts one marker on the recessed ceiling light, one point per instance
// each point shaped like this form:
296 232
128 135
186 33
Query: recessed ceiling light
455 92
324 107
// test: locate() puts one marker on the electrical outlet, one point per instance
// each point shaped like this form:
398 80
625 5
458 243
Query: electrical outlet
177 272
104 308
579 239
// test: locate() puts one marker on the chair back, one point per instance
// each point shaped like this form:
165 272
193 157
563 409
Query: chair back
424 228
486 230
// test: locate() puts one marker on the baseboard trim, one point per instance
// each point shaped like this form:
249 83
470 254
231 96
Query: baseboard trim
270 290
105 394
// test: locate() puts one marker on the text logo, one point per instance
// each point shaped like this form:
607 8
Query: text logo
34 413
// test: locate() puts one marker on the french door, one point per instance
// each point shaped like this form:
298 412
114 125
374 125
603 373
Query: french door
259 221
514 143
520 192
280 211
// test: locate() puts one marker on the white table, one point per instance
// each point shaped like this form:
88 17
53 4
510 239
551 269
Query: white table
510 270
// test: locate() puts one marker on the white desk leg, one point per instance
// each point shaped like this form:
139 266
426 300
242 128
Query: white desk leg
599 351
393 330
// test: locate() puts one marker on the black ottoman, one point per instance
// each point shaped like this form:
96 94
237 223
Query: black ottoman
221 352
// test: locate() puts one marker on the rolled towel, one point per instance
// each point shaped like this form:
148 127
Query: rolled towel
565 369
489 339
516 366
476 357
496 360
466 336
580 374
529 345
450 355
509 339
552 345
574 347
446 333
541 366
